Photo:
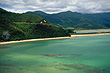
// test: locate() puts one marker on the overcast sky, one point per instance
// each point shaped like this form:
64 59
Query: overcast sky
55 6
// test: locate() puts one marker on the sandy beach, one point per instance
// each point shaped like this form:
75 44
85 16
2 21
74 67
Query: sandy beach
72 36
91 34
92 29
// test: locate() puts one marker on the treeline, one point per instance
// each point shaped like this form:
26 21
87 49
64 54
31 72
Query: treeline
15 17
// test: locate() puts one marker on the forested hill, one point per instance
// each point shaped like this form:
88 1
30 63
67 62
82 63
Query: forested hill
14 26
77 20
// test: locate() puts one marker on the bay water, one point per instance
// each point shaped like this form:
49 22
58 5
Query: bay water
87 54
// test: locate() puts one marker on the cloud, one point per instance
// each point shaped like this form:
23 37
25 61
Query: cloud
55 6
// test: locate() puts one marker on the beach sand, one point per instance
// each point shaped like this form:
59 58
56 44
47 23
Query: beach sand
92 30
72 36
91 34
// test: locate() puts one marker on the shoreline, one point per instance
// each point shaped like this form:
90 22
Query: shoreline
92 34
72 36
28 40
92 29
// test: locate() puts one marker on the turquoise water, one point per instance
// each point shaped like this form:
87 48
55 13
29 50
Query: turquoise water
89 54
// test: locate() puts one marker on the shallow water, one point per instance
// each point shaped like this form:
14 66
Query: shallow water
89 54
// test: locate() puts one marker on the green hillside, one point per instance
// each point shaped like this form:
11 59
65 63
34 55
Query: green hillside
77 20
15 26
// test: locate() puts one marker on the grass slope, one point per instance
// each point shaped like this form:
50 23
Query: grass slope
26 26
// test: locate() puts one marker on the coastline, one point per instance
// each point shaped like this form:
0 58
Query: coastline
28 40
72 36
91 34
92 29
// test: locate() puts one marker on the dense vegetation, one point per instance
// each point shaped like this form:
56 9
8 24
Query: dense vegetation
77 20
15 26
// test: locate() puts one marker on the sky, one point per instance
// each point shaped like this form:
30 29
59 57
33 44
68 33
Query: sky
56 6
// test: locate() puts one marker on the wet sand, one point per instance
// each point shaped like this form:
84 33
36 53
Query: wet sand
72 36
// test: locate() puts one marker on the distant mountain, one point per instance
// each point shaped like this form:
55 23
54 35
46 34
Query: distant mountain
77 20
14 26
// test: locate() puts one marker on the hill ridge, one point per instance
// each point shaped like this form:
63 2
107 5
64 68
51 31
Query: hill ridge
74 19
